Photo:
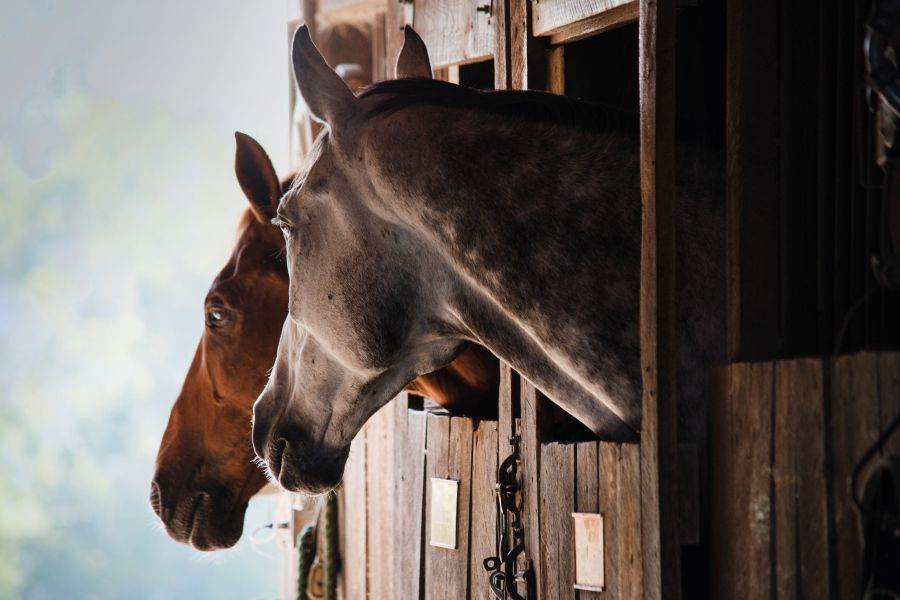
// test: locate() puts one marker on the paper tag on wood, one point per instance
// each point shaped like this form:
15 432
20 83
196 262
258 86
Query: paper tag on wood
444 496
589 552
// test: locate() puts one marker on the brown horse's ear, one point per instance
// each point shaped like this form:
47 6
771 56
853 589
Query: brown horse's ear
325 93
257 177
413 60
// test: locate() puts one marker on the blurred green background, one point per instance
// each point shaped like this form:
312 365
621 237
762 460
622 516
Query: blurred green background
118 205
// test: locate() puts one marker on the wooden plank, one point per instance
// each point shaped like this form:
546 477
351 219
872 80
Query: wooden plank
483 518
353 520
349 11
518 44
454 32
437 440
450 457
380 502
587 492
752 447
688 494
556 70
722 476
630 565
616 17
752 198
557 504
409 500
531 468
658 454
889 395
610 455
800 486
854 427
382 64
550 16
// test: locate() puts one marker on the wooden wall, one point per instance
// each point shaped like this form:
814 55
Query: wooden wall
784 437
386 495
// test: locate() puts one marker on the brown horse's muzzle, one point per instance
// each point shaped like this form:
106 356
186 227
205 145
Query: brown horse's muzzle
199 510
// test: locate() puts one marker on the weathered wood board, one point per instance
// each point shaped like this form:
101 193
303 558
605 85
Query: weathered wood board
784 437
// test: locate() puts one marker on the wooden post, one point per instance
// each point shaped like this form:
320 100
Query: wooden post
658 448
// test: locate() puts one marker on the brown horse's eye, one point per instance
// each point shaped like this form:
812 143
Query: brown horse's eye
217 316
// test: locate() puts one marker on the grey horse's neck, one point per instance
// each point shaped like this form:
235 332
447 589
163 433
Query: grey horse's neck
542 223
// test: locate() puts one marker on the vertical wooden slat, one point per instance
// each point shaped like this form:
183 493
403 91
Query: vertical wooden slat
382 64
483 517
854 426
800 486
353 519
519 33
752 447
630 563
722 475
409 500
556 70
752 194
889 395
437 439
587 490
380 502
449 442
557 501
659 531
610 455
530 476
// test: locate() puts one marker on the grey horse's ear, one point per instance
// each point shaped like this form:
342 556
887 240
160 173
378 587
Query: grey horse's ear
325 93
413 60
257 177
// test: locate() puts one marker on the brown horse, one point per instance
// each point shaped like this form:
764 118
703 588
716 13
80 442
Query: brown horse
205 471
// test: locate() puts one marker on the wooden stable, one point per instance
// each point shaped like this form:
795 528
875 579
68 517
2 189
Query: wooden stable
760 510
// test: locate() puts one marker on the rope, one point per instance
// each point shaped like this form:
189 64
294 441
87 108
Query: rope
306 550
318 555
330 547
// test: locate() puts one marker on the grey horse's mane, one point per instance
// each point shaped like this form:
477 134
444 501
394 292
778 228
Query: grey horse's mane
529 105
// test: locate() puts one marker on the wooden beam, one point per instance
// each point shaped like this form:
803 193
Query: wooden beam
752 194
658 448
618 16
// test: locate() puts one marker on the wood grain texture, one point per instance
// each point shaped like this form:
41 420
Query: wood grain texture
449 442
382 67
483 514
409 500
630 563
889 395
587 490
854 426
549 16
517 23
529 477
722 475
752 447
800 486
615 17
557 535
353 520
454 32
380 502
658 454
609 459
556 70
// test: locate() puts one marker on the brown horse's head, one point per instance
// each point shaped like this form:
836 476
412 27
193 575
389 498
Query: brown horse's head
205 471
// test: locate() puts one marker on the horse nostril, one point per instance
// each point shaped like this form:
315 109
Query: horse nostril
156 498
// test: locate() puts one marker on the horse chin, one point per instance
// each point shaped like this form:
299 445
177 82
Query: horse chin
313 477
215 531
